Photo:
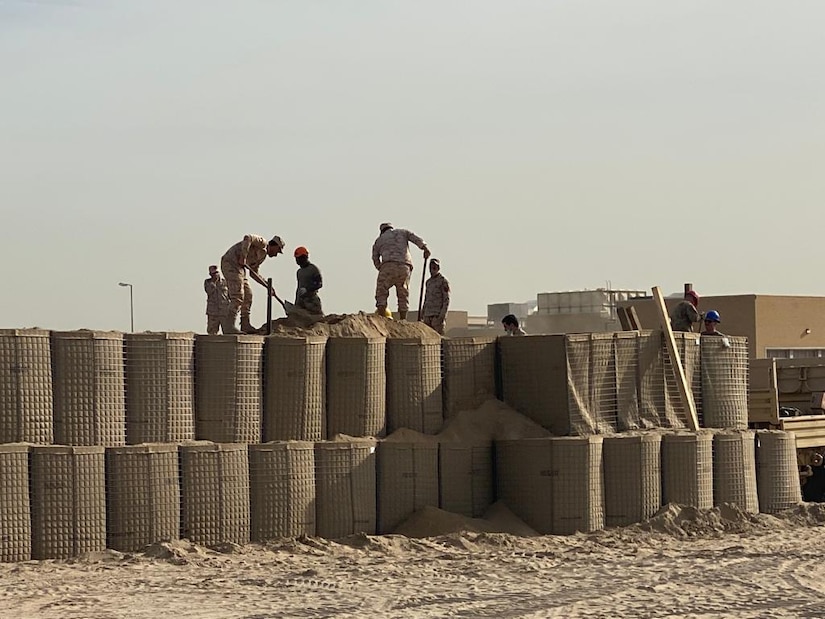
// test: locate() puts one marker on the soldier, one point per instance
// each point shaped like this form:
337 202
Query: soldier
217 300
248 253
309 283
436 299
685 314
391 257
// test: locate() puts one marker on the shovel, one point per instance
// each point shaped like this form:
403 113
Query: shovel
288 307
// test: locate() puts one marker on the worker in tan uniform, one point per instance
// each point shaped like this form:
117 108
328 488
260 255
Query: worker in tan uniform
391 257
248 253
436 298
685 314
217 300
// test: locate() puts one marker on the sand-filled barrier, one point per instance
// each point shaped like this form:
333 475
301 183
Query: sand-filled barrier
466 478
777 474
345 488
356 386
734 469
725 382
632 477
469 368
352 325
687 469
413 367
578 490
407 477
524 481
15 504
26 403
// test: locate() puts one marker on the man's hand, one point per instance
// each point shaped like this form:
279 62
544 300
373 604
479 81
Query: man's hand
427 253
302 292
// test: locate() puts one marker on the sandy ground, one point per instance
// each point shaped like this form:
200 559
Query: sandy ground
684 565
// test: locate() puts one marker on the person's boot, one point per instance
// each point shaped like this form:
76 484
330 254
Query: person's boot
381 310
246 326
228 325
402 314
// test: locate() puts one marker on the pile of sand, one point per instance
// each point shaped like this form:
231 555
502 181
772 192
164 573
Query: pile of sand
492 421
433 522
350 325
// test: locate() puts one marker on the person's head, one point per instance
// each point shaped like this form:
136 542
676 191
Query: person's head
510 323
385 226
275 246
213 271
692 297
712 318
301 256
435 266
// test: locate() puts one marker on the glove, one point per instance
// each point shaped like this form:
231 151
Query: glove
302 292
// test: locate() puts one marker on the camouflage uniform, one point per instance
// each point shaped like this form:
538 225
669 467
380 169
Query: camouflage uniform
391 256
309 278
683 316
253 252
436 302
217 303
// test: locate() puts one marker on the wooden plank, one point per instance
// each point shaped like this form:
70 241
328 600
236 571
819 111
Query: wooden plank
676 360
774 388
623 319
633 318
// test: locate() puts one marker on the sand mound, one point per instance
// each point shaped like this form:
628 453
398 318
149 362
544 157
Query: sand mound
492 421
177 551
351 325
405 435
434 522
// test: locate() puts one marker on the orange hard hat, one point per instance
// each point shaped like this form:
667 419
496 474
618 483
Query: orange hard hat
301 251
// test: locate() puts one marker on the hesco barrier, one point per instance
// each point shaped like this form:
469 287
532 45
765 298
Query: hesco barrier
414 385
345 488
295 389
282 489
26 404
68 501
465 478
143 495
578 491
632 477
687 469
734 469
777 474
469 370
725 382
215 493
15 505
524 481
160 387
88 381
356 386
407 481
229 388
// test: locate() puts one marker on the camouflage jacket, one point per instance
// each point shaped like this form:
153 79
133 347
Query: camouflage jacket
393 246
437 297
217 296
683 316
252 249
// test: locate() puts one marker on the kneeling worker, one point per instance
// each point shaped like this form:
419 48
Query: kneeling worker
309 283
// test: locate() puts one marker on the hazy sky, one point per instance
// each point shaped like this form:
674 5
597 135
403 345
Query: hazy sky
535 145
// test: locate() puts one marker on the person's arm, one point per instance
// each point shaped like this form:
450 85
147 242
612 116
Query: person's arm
317 280
693 313
445 300
376 256
207 284
418 241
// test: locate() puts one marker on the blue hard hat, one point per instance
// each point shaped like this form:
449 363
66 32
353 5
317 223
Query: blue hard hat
713 315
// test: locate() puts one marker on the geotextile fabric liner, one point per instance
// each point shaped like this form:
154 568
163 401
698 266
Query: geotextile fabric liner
229 388
345 486
282 489
734 470
777 474
407 475
160 387
295 389
68 501
143 495
214 493
356 386
466 478
626 349
591 383
632 478
578 487
725 381
15 504
414 385
89 388
469 369
26 404
524 480
687 469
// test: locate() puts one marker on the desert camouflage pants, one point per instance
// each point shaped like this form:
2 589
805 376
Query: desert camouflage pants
393 274
435 323
240 293
310 302
213 323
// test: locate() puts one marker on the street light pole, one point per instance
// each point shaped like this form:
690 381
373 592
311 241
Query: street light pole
131 303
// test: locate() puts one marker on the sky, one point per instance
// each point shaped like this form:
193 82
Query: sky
536 146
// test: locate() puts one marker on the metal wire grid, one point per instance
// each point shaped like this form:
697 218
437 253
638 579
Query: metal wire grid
282 489
632 477
626 349
295 389
68 501
89 388
578 487
469 371
15 504
228 388
345 487
407 475
592 385
26 405
687 469
356 386
215 493
725 381
414 385
465 478
777 475
524 480
142 495
160 387
734 469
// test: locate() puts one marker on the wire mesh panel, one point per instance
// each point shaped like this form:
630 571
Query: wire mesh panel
469 368
676 413
581 409
142 495
632 477
282 489
215 493
465 478
691 352
26 404
160 387
356 386
777 475
687 469
15 504
68 501
229 388
725 381
734 470
89 388
524 480
578 485
652 401
626 349
295 389
345 488
407 475
414 385
604 398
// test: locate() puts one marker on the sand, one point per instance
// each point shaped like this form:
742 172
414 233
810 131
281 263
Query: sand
350 325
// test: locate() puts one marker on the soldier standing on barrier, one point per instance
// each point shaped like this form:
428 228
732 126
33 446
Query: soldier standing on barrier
392 260
217 300
436 299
